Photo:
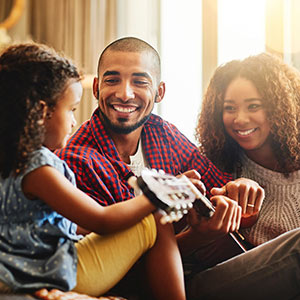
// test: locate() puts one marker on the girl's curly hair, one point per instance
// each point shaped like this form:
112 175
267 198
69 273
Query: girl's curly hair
29 73
279 86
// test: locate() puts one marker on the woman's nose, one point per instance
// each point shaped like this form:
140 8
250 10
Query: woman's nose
241 117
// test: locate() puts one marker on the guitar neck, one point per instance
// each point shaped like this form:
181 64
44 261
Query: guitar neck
205 208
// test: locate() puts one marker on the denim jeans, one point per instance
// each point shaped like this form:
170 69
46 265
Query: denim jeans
269 271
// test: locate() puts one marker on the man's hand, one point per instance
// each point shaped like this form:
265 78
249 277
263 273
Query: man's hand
195 177
226 218
246 192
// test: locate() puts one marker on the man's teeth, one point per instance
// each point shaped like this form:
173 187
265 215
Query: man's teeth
124 109
246 132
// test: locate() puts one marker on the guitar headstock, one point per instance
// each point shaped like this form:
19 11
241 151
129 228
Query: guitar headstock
168 192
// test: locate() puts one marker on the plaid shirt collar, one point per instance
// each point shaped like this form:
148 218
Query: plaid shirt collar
153 140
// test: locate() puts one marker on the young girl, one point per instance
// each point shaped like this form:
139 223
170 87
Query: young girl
40 205
249 126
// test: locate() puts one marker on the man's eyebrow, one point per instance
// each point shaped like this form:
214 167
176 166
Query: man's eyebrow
108 73
142 74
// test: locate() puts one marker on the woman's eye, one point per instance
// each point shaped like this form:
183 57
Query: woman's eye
229 108
254 106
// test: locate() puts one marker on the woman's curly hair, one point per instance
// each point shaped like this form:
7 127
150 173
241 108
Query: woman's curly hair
29 73
279 86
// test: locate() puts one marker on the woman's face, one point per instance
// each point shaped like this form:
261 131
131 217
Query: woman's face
244 117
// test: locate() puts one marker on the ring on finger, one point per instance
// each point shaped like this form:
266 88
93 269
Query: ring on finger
250 205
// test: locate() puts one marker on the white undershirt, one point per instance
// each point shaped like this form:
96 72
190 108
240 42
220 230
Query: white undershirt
138 161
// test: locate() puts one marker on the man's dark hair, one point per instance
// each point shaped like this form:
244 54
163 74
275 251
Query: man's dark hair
132 44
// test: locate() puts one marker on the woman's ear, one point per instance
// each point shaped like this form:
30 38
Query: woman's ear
44 112
160 92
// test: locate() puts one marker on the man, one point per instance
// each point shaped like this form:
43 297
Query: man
123 136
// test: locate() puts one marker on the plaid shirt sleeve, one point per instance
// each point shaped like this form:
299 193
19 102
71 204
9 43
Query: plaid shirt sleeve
168 149
95 175
191 158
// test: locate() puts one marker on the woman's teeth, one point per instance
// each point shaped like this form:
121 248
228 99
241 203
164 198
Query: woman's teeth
245 132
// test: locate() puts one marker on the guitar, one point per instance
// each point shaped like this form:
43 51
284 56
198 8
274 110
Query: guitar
176 196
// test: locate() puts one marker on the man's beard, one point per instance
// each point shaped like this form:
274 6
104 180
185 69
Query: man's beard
119 129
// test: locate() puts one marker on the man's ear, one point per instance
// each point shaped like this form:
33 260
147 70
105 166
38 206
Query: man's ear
160 92
96 88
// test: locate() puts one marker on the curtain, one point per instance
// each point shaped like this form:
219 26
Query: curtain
82 28
5 7
79 28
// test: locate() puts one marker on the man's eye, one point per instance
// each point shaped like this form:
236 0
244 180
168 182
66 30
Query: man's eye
141 82
111 81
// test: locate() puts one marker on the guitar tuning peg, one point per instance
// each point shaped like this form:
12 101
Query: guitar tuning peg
179 215
173 216
177 206
184 205
190 205
165 219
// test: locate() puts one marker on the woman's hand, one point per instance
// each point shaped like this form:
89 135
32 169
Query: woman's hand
248 194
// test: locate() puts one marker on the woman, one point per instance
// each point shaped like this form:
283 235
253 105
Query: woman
249 126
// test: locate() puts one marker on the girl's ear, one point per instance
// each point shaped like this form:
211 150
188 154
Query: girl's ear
44 110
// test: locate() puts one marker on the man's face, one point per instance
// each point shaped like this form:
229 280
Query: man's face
128 88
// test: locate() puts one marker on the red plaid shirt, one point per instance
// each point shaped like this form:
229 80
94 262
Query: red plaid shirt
101 173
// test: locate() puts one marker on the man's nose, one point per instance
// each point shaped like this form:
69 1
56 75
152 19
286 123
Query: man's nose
125 91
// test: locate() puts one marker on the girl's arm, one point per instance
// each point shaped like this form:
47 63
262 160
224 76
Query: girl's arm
49 185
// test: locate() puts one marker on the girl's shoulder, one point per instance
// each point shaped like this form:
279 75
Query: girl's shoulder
45 157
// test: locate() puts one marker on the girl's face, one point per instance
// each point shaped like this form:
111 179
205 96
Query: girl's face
59 125
245 119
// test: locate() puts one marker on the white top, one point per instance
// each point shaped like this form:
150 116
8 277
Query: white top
138 161
281 208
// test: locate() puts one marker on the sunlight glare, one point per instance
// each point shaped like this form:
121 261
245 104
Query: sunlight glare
241 29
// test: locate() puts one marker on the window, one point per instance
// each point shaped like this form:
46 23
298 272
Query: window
241 29
181 55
